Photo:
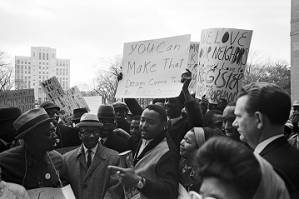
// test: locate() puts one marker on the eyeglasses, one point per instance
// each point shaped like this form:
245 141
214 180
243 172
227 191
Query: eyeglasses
88 132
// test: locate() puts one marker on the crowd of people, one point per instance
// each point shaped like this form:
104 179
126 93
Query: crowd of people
182 147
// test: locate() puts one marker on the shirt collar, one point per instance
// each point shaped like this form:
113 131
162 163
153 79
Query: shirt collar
262 145
93 150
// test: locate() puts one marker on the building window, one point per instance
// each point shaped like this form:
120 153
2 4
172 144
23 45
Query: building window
39 56
43 56
47 56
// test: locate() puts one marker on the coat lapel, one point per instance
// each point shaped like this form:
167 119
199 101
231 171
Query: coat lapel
97 160
149 147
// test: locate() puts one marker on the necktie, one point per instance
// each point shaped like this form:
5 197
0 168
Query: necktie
88 158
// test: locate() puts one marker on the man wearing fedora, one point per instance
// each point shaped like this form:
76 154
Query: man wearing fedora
67 136
86 166
77 113
33 164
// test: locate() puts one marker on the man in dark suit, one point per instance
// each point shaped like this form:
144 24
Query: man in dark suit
86 166
261 111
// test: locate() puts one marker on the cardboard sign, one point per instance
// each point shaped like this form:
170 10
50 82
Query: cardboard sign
222 57
193 65
76 97
153 68
66 100
52 193
23 99
52 88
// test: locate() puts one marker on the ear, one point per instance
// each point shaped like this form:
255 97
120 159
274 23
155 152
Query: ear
260 119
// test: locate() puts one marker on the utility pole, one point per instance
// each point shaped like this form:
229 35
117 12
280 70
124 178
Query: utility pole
295 50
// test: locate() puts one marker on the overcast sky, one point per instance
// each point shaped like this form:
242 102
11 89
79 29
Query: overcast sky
92 32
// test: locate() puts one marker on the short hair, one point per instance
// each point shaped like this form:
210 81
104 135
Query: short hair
231 162
159 110
269 99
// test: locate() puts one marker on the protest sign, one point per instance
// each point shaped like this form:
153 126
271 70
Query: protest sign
52 88
222 57
23 99
52 193
66 100
153 68
126 161
193 65
76 98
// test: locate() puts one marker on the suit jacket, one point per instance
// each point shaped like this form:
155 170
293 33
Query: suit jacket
158 164
285 160
97 181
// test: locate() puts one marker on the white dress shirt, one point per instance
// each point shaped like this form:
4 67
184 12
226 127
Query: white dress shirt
143 145
93 152
261 146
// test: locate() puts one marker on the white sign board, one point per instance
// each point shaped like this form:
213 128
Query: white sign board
23 99
222 57
153 68
52 193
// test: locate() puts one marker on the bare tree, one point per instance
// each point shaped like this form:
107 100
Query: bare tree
107 81
278 73
6 72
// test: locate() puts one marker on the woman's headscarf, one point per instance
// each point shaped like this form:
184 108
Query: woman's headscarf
271 185
199 136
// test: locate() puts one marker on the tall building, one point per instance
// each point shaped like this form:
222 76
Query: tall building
295 49
41 65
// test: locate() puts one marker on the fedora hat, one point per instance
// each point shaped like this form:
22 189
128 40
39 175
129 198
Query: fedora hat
296 103
49 105
30 120
89 120
106 112
78 112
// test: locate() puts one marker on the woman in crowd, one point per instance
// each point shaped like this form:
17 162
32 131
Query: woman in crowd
229 170
191 142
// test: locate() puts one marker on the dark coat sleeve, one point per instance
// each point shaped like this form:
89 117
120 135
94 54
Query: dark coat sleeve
133 105
194 112
167 186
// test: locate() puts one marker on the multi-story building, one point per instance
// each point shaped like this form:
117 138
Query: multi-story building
295 49
41 65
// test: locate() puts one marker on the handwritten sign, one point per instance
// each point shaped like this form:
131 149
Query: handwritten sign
222 57
23 99
153 68
193 65
66 100
52 88
52 193
76 98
